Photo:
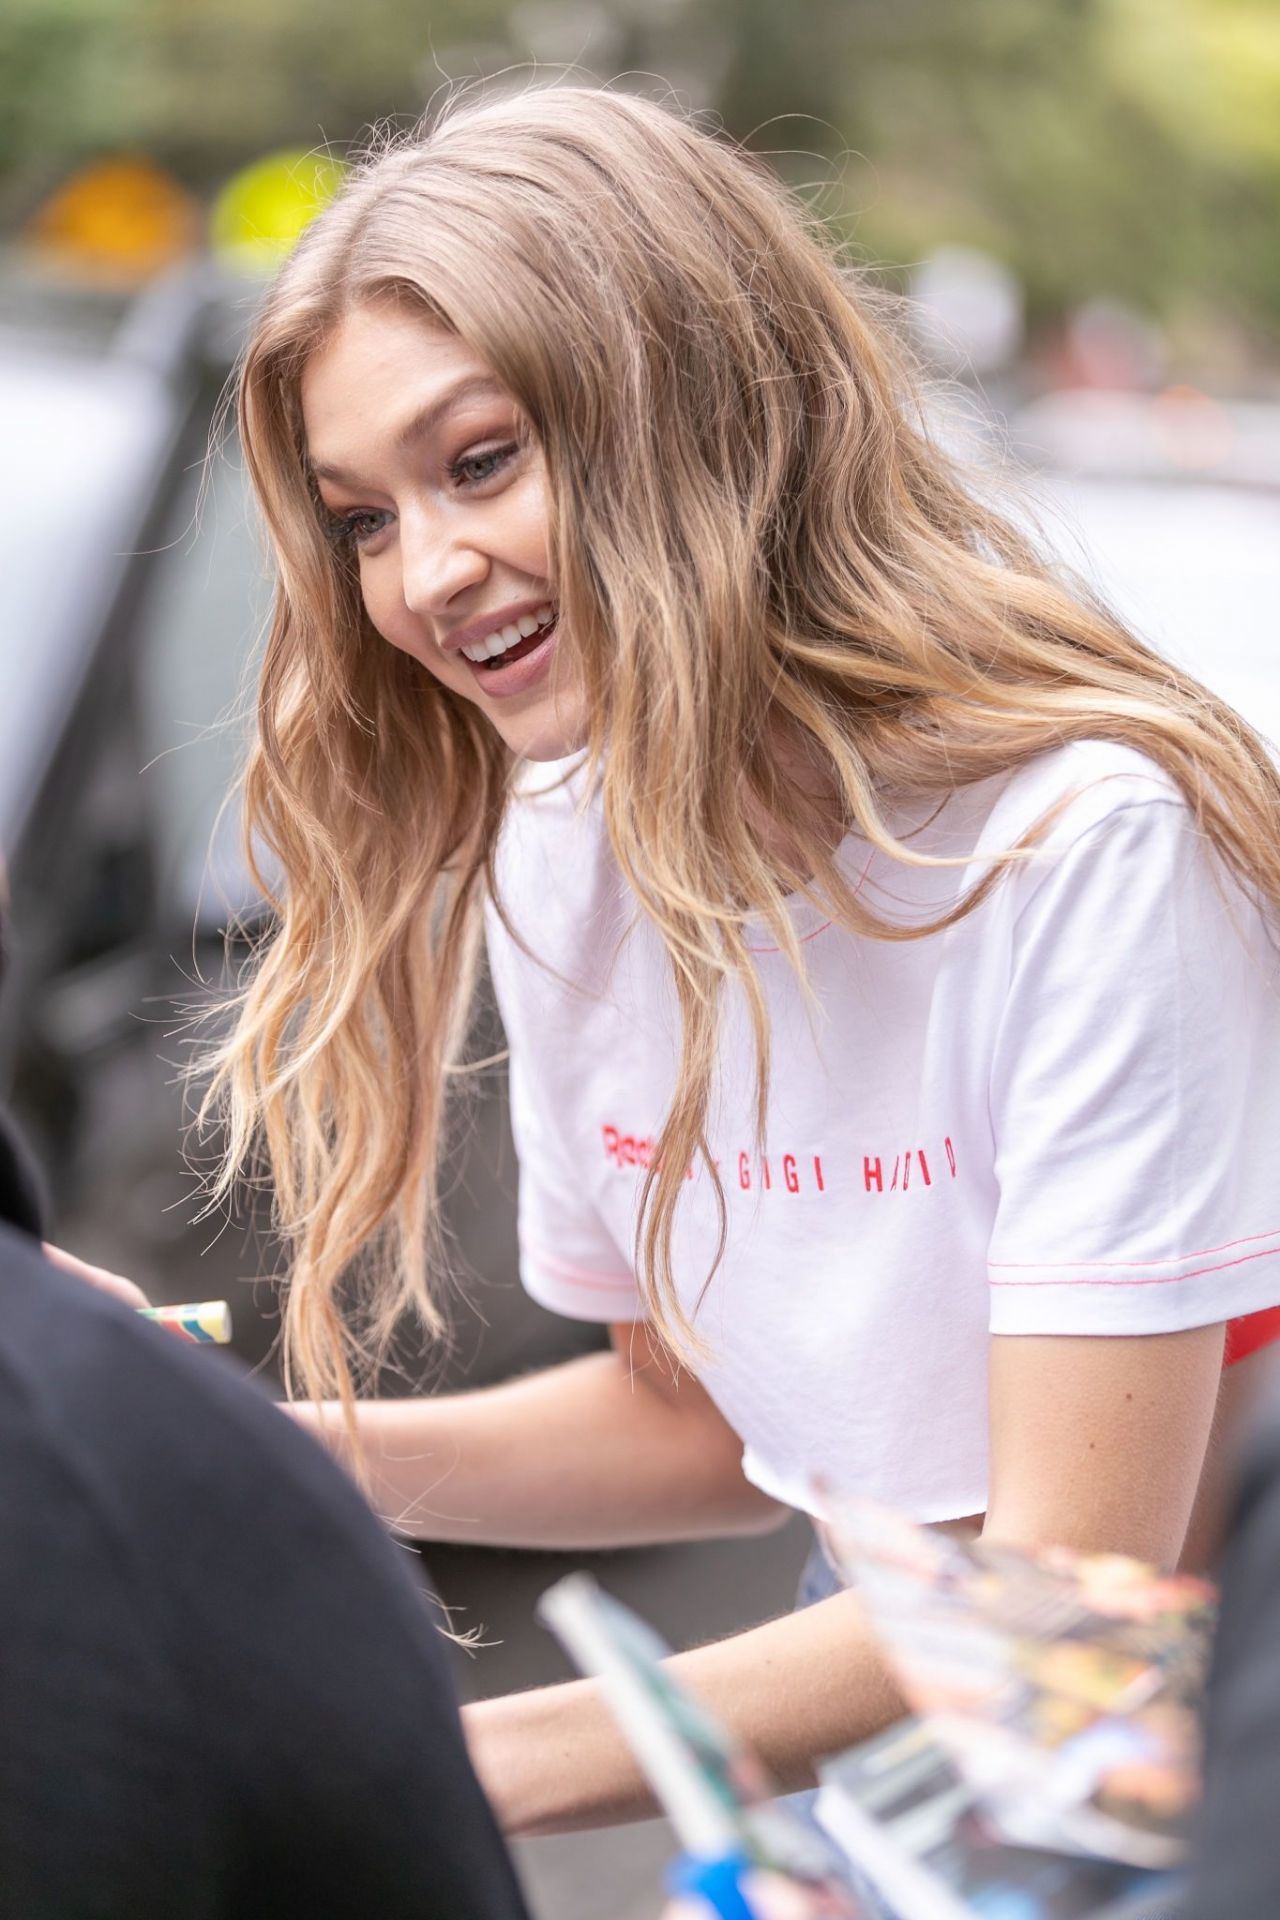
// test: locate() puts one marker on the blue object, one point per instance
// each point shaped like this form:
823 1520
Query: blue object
717 1883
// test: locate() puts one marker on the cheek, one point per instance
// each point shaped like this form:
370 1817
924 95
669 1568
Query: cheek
384 604
528 533
397 627
379 590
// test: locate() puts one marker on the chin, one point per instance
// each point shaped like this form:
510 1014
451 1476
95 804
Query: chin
550 735
550 746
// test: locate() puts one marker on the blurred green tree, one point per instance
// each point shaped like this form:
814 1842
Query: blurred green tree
1125 146
204 87
1128 147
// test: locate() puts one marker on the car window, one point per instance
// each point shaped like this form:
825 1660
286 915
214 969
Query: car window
203 620
83 441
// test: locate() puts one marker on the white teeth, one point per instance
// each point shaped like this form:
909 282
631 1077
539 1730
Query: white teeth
509 636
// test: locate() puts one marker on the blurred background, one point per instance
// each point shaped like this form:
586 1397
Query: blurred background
1081 199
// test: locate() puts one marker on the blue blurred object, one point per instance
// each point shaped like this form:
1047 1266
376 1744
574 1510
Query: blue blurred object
717 1883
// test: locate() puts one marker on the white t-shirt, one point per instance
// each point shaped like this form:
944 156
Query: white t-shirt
1060 1116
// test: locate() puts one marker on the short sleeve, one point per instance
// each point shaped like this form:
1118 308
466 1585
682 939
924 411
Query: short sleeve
568 1259
1135 1088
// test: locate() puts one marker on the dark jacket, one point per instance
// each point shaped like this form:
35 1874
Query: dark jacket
221 1691
1237 1870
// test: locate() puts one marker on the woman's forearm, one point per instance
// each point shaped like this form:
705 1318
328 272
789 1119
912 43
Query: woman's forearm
806 1685
586 1454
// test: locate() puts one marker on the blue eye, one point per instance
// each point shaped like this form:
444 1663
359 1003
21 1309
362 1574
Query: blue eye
357 529
474 469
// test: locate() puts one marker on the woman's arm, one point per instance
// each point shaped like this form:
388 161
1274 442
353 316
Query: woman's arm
808 1684
612 1449
1096 1443
1100 1443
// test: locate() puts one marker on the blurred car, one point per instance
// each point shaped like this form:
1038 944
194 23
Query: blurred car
1169 505
95 396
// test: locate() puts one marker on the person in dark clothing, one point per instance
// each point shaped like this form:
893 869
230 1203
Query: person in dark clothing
1236 1871
22 1203
220 1694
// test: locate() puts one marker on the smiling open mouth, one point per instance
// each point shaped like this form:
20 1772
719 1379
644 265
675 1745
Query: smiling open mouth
522 649
513 643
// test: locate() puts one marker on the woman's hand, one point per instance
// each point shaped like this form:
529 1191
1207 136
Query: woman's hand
112 1283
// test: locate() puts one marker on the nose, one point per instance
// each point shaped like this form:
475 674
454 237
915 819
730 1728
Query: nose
438 562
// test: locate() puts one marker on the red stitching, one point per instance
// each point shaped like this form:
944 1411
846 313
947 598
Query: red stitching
801 942
1153 1280
1012 1266
806 937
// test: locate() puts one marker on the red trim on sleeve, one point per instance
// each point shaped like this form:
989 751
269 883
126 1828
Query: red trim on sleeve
1250 1334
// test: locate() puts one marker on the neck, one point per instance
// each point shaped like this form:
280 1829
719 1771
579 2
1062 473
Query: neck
814 813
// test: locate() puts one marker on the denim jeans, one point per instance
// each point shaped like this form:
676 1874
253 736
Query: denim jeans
818 1578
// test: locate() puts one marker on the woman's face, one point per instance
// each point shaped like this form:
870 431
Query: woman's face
421 464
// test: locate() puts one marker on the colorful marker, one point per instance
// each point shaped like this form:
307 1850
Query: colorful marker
206 1324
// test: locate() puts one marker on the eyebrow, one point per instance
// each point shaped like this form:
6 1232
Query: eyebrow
423 423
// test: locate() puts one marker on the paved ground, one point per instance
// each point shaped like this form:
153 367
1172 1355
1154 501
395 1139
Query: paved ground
133 1213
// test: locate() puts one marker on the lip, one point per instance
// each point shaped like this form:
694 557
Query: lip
501 682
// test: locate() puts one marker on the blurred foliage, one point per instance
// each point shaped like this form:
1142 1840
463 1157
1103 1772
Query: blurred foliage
1126 147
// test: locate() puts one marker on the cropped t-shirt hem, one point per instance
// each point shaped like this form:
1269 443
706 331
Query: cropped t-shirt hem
794 1490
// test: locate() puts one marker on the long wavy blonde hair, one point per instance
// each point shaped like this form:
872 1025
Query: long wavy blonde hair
774 584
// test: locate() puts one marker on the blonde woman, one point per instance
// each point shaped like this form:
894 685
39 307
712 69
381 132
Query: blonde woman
880 929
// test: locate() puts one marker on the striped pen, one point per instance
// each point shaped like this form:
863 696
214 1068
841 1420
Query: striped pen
206 1323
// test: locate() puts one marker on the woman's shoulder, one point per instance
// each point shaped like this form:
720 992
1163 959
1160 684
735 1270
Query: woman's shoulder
1116 842
1066 792
1049 800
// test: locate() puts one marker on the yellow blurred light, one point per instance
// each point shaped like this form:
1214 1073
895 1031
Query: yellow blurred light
121 220
262 211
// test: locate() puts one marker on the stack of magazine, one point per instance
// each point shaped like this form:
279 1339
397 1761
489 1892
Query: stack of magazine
1050 1767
